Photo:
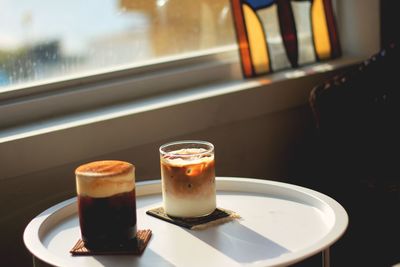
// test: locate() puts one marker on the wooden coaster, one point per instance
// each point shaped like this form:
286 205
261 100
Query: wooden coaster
135 248
217 217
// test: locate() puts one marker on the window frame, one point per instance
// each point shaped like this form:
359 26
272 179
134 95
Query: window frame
90 90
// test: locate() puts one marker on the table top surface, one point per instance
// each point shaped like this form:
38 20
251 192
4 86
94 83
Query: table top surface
280 224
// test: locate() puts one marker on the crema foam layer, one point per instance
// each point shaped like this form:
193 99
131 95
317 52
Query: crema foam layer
105 178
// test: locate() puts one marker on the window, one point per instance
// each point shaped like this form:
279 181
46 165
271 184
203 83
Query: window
56 39
63 57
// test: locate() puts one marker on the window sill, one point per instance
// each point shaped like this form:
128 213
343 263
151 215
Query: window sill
90 134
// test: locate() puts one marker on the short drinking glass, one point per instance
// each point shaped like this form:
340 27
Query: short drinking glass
188 178
106 203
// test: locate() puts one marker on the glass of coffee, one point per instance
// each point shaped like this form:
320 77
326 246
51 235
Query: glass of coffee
106 203
188 178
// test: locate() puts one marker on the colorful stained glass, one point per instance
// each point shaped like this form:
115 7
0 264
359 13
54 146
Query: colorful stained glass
258 50
276 34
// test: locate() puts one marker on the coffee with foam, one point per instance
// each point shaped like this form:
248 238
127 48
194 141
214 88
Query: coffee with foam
106 203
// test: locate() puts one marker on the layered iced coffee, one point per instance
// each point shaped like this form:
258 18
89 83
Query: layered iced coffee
188 178
106 203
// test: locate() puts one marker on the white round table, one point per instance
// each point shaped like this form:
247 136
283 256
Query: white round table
281 224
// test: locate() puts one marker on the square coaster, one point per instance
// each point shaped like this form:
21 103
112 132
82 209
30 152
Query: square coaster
219 216
135 248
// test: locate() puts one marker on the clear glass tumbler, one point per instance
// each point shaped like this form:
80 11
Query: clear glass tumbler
106 203
188 178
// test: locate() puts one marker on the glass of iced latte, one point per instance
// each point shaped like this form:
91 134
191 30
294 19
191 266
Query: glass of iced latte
188 178
106 203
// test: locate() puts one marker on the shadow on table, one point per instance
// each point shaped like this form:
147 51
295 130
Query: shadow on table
152 259
240 243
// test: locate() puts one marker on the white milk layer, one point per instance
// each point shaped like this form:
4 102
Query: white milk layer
189 206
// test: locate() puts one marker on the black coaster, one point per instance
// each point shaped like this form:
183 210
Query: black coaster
219 214
135 248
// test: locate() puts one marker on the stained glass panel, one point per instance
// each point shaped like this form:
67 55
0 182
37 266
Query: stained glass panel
277 34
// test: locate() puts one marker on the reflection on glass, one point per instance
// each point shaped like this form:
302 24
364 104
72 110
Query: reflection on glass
51 39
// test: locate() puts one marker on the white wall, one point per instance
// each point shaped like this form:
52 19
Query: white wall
359 26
